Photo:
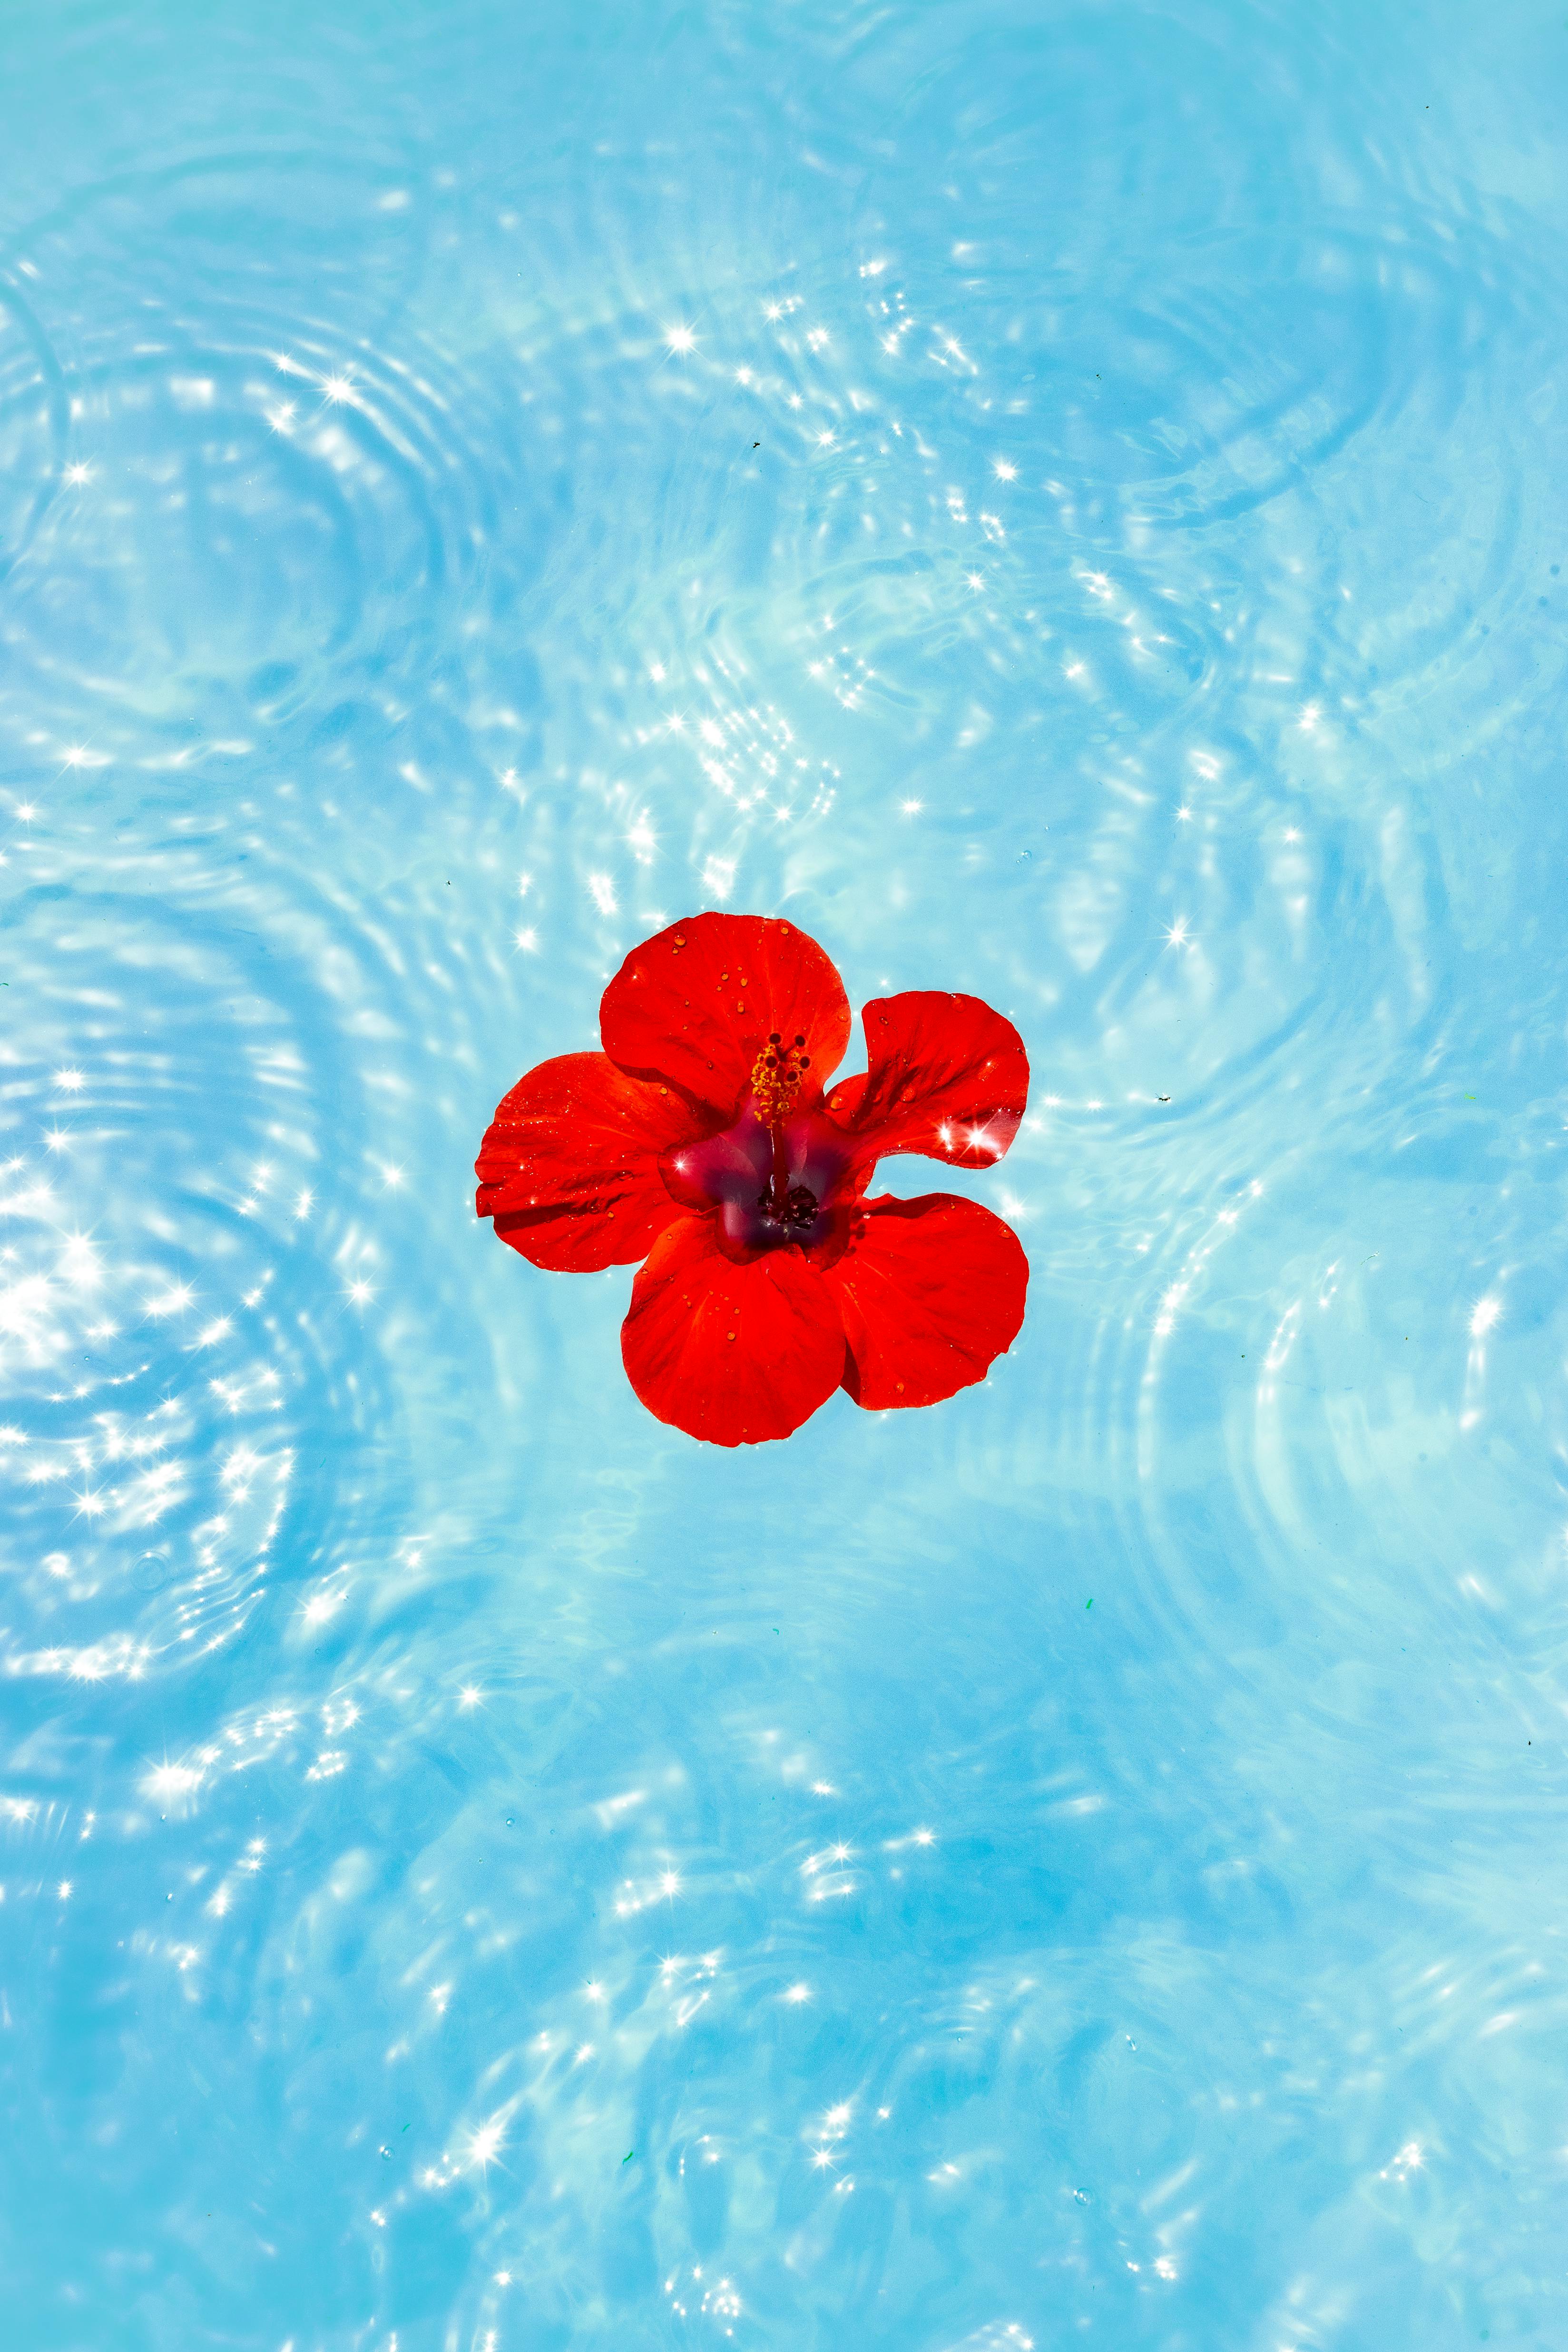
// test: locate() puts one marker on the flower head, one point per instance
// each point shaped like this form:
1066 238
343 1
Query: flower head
704 1142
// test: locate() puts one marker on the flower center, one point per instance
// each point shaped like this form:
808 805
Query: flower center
798 1206
777 1177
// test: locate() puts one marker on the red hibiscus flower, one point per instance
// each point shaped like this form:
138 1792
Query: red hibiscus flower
702 1142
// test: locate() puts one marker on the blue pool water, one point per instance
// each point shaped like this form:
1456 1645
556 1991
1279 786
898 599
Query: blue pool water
1067 503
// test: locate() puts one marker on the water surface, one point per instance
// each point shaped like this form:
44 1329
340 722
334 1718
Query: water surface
1067 503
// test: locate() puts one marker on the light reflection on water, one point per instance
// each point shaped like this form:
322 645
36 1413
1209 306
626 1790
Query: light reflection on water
1070 508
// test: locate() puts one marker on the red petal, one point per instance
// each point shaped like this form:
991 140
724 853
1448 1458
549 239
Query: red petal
569 1166
694 1006
947 1077
731 1352
932 1291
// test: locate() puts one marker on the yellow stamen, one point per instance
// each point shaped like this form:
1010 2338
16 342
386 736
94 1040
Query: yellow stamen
775 1077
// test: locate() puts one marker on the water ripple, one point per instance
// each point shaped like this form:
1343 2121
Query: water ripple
1070 513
